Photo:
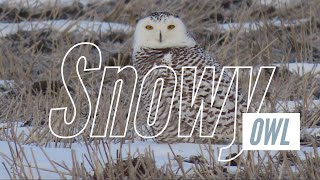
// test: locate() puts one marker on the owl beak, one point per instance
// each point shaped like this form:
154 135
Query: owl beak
160 37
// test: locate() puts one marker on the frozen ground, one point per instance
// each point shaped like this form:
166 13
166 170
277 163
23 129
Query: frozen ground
63 25
278 3
44 156
290 106
39 4
301 69
85 26
253 26
43 4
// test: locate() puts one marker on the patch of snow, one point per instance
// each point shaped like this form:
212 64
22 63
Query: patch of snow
301 68
290 106
63 155
6 82
161 153
87 26
56 154
5 86
253 26
39 5
277 3
83 26
314 132
10 125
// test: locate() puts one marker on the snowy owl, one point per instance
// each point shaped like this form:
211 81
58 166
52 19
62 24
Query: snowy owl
162 39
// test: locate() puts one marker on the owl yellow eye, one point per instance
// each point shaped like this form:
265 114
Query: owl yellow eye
171 27
149 27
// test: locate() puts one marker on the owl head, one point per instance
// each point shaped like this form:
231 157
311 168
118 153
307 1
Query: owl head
161 30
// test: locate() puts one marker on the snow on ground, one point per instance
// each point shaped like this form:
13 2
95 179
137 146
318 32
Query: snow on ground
291 106
253 26
15 125
59 155
86 26
43 155
41 4
45 4
5 86
38 5
278 3
63 25
6 82
314 132
64 155
301 68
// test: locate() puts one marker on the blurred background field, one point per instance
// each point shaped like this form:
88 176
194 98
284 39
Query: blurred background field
35 36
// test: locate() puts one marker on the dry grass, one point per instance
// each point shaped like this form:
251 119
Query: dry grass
33 59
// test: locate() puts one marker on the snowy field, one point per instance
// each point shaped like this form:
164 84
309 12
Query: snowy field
84 26
50 161
43 157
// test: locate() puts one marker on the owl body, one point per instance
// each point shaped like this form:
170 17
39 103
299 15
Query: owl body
186 101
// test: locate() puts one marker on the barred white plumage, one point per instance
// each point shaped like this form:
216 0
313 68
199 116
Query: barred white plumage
162 39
